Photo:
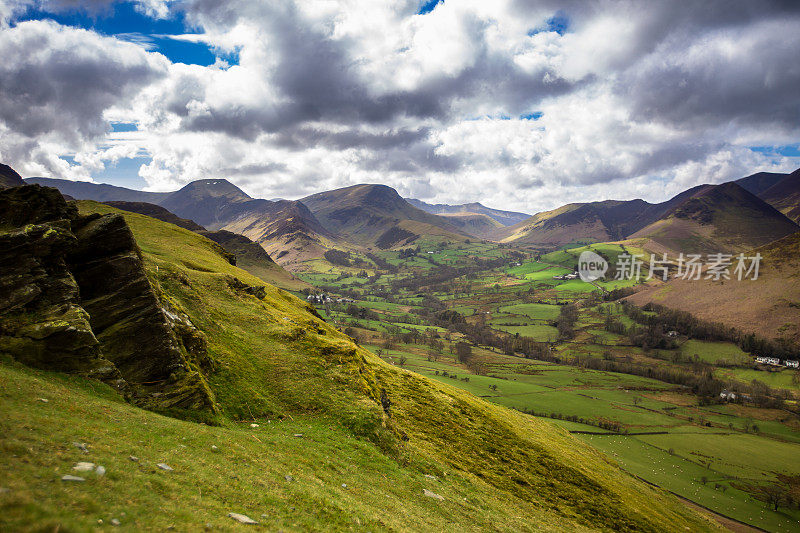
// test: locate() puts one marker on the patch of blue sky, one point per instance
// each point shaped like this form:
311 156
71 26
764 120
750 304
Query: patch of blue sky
787 150
123 21
558 23
118 127
535 115
428 6
124 173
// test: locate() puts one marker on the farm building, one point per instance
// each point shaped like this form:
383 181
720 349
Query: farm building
791 364
768 360
727 395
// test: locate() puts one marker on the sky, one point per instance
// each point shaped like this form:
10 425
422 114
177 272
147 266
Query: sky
518 104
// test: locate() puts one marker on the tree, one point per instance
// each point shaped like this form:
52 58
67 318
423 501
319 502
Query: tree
463 351
402 361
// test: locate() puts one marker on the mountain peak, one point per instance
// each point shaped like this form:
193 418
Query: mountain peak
215 188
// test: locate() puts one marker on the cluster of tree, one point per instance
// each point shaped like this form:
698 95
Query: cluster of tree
430 337
702 383
364 313
687 324
382 263
784 492
406 253
615 294
446 374
565 323
338 257
608 425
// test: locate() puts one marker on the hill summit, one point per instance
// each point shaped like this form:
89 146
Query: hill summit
371 214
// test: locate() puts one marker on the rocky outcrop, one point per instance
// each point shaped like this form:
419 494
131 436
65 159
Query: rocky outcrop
127 316
41 321
76 298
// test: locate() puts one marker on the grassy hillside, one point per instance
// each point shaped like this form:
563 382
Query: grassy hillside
280 367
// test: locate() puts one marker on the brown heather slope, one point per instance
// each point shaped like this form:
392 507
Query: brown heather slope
287 230
785 196
609 220
718 218
375 215
478 224
768 306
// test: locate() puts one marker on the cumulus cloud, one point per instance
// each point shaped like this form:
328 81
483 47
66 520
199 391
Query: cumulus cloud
520 104
56 83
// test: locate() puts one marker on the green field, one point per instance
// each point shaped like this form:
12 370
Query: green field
783 379
534 311
712 352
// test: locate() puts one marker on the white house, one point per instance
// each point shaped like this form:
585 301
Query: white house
791 364
727 395
774 361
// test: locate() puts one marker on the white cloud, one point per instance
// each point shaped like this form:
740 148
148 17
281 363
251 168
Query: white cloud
636 100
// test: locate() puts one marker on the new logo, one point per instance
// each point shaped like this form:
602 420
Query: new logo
591 266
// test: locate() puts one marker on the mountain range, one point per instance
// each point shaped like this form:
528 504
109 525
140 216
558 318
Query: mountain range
733 216
725 216
505 218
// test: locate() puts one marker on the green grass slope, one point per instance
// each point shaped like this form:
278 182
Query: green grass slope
355 466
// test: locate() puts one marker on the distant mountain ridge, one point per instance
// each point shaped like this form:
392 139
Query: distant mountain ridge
286 229
719 218
702 217
744 213
9 177
99 192
506 218
785 196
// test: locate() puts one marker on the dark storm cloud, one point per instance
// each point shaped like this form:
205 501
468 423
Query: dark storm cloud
57 80
675 73
754 83
302 137
320 80
254 170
